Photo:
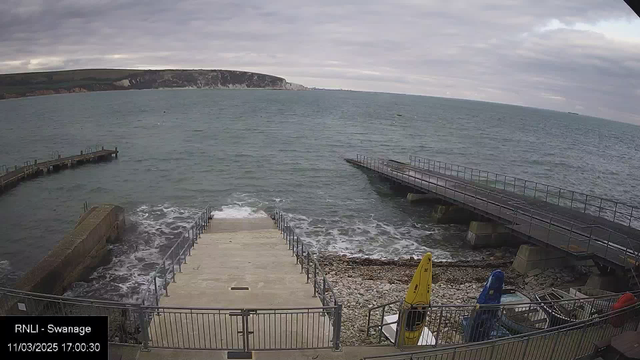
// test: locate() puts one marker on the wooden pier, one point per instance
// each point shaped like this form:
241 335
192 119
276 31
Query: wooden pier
583 228
11 178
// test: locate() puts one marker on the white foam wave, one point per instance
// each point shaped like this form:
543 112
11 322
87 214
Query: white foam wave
8 275
238 212
151 232
370 238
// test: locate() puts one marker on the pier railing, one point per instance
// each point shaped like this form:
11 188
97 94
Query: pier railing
573 237
608 209
165 273
568 342
451 324
10 177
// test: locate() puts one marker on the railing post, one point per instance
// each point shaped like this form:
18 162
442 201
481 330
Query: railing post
173 267
315 276
300 258
308 259
144 328
546 194
155 283
164 281
402 317
245 330
324 290
573 193
586 200
437 337
337 327
607 249
526 347
584 329
570 232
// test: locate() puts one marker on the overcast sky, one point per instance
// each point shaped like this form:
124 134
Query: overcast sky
581 56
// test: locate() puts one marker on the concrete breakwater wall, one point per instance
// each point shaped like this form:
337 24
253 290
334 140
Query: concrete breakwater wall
79 252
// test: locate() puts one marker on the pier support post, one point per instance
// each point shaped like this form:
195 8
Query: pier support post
452 214
609 282
533 257
413 197
487 234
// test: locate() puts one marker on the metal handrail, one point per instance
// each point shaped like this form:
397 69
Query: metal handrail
304 258
137 324
65 299
381 165
492 179
297 247
529 209
464 309
578 325
233 309
564 219
176 256
416 161
599 297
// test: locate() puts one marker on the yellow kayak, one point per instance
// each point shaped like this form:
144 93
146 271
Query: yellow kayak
418 298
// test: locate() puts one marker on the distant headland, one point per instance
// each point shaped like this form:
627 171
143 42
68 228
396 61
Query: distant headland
86 80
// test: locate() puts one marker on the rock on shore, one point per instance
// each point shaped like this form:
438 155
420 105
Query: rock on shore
361 283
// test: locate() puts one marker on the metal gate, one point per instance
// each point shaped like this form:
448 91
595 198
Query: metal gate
241 330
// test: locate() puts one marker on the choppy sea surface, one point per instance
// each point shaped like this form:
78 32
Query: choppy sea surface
246 151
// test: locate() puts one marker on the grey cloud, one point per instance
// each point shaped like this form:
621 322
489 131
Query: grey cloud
489 50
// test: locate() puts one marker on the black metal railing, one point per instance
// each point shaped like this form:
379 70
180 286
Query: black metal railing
309 266
243 329
192 327
565 234
450 324
124 318
165 273
566 342
308 262
608 209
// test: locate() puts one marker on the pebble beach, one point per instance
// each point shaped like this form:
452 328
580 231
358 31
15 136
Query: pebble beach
362 283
